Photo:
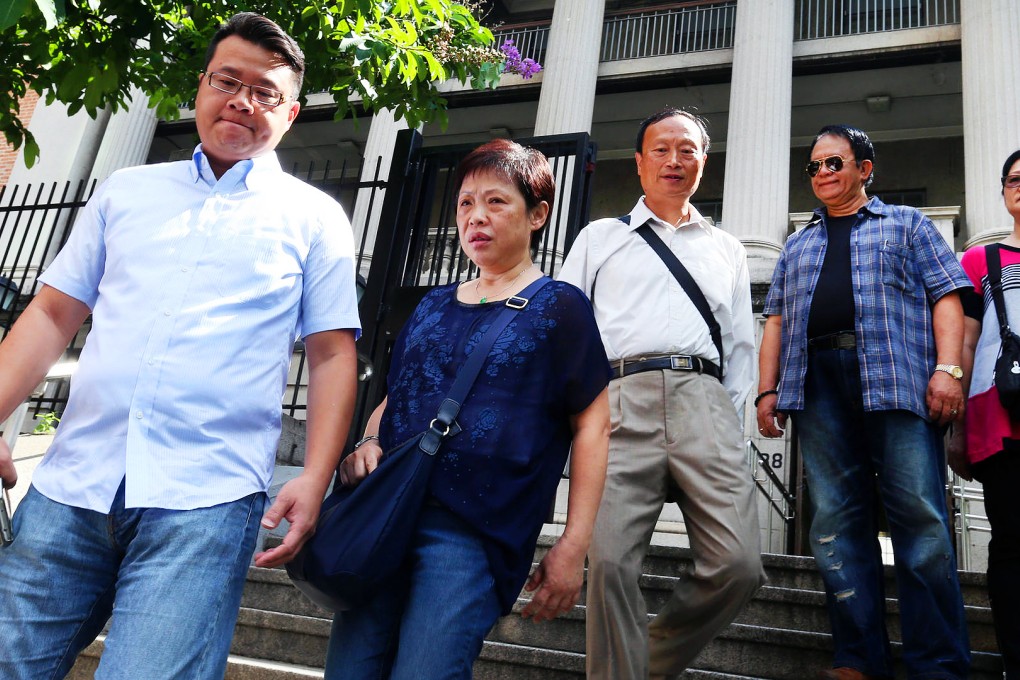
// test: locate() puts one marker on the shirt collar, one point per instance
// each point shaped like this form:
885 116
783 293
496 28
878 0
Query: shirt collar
642 213
252 174
874 206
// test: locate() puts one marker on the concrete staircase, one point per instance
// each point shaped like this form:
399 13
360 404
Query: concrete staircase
782 635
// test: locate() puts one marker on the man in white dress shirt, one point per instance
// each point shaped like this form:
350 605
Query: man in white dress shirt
675 405
199 275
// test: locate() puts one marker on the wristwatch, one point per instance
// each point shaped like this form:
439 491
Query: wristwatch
952 370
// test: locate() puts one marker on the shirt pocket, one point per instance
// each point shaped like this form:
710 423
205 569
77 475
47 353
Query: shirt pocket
254 270
897 266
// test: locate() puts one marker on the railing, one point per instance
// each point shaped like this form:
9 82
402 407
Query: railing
33 227
530 39
834 18
708 25
781 501
968 505
692 27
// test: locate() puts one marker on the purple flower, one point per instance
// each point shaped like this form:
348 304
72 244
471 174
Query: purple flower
526 68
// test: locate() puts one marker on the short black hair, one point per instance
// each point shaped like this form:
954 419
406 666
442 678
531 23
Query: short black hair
526 168
265 33
1013 158
669 112
859 142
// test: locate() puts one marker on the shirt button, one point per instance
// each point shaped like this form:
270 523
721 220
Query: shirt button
184 269
138 415
166 312
152 361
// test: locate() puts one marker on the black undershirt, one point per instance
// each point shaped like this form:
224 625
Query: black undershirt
832 304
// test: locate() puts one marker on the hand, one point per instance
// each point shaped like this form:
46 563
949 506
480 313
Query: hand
556 582
360 463
771 423
944 398
298 502
8 472
956 453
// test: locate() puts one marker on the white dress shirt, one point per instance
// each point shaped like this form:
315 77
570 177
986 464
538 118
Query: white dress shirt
642 309
198 289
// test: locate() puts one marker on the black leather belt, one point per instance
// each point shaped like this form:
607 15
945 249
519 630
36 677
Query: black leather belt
840 340
671 362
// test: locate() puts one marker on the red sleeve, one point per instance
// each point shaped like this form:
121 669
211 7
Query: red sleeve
976 266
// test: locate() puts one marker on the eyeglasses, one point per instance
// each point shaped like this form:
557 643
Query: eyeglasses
266 96
1011 182
833 163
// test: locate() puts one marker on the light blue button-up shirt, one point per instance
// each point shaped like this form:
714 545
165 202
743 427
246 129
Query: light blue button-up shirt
198 289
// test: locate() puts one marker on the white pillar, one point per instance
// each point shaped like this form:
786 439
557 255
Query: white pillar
991 110
571 68
382 137
127 138
756 190
67 145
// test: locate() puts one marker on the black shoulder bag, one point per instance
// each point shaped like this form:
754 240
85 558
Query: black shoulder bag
1007 365
364 531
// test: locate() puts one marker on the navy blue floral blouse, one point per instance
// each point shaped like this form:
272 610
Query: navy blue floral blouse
501 472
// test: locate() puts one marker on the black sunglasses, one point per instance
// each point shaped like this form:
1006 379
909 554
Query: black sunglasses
833 163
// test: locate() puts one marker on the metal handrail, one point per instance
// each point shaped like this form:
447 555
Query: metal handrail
787 514
816 19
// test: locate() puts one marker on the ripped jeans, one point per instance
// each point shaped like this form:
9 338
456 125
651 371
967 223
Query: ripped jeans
848 454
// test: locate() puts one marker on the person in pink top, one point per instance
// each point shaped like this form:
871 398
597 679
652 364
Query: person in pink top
987 446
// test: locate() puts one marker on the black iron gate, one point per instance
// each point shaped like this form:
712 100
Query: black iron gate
417 246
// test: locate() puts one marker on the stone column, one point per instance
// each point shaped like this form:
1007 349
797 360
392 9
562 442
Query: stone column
991 111
67 145
756 190
571 68
756 187
378 157
128 137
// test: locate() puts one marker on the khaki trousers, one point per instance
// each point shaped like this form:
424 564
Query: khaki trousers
679 425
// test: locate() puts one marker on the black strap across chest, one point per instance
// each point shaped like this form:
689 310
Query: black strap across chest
682 276
994 262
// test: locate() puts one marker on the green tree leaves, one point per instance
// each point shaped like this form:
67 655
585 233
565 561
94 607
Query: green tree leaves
89 54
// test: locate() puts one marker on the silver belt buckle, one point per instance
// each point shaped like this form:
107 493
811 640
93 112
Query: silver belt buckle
681 362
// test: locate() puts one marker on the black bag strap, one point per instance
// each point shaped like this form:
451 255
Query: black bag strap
686 282
444 423
994 263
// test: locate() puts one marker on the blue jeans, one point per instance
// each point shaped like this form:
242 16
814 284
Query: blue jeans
845 450
433 620
172 580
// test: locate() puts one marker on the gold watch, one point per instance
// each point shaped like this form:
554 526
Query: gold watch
952 370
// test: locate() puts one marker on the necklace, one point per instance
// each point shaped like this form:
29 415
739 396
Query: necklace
482 299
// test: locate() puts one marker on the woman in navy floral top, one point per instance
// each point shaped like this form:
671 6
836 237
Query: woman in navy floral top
541 393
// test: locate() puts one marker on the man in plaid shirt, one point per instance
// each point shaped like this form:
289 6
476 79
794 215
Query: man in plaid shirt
871 377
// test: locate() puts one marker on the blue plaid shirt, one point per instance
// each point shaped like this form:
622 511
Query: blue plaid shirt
900 266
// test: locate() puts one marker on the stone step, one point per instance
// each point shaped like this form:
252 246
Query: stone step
785 571
282 636
275 646
238 667
773 606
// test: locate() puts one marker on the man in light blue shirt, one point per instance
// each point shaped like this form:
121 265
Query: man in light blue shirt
199 275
